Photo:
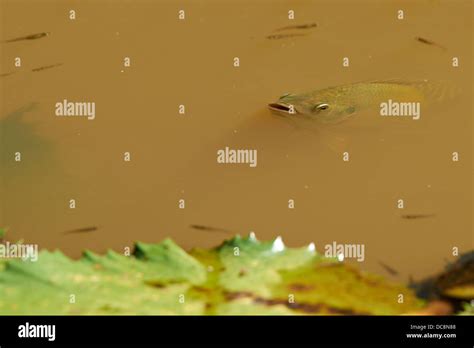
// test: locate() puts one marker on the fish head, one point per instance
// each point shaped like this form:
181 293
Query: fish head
316 108
287 105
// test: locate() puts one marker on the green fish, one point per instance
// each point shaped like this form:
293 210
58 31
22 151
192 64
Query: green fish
336 104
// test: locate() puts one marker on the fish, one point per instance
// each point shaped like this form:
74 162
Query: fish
417 216
41 68
389 269
338 103
46 67
82 230
428 42
7 74
28 37
283 36
209 229
298 26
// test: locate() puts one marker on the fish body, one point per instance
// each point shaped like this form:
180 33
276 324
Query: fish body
283 36
41 68
389 269
429 42
417 216
7 74
336 104
82 230
29 37
209 228
298 26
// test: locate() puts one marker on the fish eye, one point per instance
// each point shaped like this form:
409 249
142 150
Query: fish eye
322 106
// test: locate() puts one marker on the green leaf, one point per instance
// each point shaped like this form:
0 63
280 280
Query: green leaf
468 309
241 276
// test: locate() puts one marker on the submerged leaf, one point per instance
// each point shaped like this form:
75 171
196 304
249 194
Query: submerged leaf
242 276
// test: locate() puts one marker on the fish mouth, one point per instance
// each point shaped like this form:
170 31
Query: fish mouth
279 108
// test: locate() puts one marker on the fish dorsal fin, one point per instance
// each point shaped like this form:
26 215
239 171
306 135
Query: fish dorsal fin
433 90
397 81
394 81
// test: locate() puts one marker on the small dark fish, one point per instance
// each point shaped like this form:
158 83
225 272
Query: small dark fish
298 26
209 229
389 269
82 230
428 42
7 74
417 216
46 67
29 37
283 36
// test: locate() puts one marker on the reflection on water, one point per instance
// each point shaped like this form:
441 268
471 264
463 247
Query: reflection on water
191 62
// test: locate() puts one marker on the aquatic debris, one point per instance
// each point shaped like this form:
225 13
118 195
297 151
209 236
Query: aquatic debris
436 307
458 279
313 308
312 247
455 283
29 37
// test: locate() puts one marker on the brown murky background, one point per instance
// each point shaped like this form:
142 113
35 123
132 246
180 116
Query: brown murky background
174 156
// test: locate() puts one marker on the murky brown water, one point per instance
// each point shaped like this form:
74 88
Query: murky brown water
173 156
